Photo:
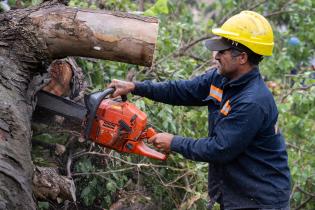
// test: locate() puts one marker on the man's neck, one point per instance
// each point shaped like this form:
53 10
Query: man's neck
243 69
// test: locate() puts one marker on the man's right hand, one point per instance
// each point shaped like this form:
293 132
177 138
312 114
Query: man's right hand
122 87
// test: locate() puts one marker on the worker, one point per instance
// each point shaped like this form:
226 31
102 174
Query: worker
248 162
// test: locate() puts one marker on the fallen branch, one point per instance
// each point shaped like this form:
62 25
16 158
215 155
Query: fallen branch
103 172
167 184
139 165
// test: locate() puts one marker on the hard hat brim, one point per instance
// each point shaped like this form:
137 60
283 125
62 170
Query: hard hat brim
217 44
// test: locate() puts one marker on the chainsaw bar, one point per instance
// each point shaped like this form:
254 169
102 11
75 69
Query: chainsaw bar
61 106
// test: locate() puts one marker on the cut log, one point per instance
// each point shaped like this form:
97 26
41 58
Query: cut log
99 34
66 79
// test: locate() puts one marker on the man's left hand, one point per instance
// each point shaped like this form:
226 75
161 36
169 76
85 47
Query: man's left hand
162 141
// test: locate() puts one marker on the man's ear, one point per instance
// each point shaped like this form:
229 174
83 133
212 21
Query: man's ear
243 58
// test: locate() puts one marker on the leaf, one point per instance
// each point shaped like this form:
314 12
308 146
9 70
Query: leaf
36 2
43 205
160 7
88 195
86 191
110 186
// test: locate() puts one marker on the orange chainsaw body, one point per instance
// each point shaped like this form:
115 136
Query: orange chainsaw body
123 127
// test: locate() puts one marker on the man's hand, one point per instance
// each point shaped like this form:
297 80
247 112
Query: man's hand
162 141
122 87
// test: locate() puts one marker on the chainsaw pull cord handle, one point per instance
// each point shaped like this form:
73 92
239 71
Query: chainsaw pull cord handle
92 102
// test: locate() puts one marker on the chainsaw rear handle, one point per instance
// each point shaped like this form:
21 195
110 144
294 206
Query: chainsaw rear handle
143 149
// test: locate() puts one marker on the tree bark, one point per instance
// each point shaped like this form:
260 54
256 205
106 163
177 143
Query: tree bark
19 59
49 185
29 40
89 33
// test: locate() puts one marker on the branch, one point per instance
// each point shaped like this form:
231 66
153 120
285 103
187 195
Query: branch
296 89
237 10
311 196
279 13
304 203
179 177
70 146
58 149
181 51
166 184
200 67
305 192
102 172
139 165
195 57
56 128
282 9
298 148
293 190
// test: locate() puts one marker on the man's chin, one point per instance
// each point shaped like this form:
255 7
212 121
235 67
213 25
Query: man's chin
224 74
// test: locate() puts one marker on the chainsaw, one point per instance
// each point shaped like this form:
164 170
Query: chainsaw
113 123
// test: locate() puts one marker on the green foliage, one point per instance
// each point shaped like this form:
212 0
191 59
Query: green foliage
43 156
121 5
43 205
160 7
94 187
297 121
182 22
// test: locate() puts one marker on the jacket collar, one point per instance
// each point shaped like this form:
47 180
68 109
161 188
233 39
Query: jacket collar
242 80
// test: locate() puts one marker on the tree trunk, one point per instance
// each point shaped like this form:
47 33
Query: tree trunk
29 40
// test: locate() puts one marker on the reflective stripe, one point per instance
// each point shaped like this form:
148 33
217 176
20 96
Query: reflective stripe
216 93
226 108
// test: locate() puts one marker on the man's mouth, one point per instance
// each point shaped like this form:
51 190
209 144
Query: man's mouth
216 63
219 65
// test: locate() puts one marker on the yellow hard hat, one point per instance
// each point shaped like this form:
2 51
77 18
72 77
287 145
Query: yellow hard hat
251 30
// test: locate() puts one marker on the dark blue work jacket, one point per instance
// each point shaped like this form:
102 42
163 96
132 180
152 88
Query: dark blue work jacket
248 162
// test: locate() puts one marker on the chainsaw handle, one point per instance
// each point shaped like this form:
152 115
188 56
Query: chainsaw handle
142 149
92 102
147 151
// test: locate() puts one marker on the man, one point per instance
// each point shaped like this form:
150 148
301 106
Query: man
247 158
